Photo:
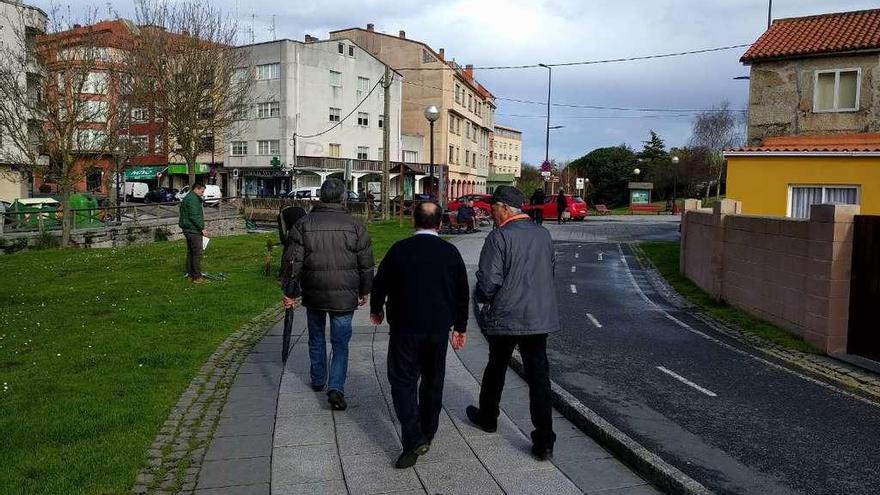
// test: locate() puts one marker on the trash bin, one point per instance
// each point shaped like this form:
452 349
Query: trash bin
27 212
85 208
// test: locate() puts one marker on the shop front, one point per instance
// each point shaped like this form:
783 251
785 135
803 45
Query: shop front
260 183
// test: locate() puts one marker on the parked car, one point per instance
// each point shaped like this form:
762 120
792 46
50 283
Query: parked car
306 193
161 195
136 191
211 197
481 201
408 203
576 206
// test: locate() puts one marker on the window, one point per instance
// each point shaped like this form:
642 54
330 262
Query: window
802 197
837 90
335 79
363 153
470 102
139 143
158 143
451 154
334 114
467 157
239 148
351 50
206 144
341 48
411 156
96 83
363 86
94 111
458 126
90 139
267 147
93 179
334 149
458 94
240 75
381 154
363 119
381 121
140 114
427 58
268 109
451 124
268 71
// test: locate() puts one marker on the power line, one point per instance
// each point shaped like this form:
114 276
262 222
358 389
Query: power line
536 116
334 126
587 62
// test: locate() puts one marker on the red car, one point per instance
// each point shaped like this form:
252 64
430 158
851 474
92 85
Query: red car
576 206
481 201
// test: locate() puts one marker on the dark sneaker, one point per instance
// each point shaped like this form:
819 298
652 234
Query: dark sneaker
542 453
408 459
336 400
318 388
473 414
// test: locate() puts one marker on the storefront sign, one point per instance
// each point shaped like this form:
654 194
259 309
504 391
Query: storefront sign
180 168
143 173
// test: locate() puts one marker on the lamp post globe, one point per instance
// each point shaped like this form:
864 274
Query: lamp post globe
675 160
637 171
432 113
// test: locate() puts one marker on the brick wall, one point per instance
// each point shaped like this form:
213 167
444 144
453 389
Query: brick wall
794 273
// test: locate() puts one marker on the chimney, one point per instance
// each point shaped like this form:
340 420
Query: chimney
442 55
402 34
370 27
310 38
469 71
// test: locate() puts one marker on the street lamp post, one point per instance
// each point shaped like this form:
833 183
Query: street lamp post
432 113
118 203
675 161
547 139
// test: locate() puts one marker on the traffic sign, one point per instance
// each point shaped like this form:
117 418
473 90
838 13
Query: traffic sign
579 183
554 179
545 174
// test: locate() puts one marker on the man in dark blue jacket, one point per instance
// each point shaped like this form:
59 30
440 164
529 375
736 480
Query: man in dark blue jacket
423 283
516 290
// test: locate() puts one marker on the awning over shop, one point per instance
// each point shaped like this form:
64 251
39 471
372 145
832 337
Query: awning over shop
142 173
180 168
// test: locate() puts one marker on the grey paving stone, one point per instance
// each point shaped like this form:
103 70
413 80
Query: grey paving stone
217 474
293 383
335 487
504 453
257 380
578 448
469 431
448 445
239 447
305 464
599 474
258 489
305 430
632 490
537 482
367 411
375 473
263 357
367 438
252 393
268 347
457 477
302 403
258 407
263 368
245 425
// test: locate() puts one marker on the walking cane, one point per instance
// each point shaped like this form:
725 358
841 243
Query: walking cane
288 327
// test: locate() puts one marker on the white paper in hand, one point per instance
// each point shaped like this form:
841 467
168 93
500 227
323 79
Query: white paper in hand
205 241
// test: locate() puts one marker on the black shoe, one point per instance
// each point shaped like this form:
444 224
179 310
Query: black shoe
318 388
336 400
542 453
408 459
473 414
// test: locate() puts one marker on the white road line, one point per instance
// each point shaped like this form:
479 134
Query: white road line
687 382
574 289
573 268
594 320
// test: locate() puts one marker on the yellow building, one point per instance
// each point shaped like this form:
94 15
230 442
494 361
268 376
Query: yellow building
787 174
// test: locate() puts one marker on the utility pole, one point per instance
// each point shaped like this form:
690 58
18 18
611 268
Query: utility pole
386 142
769 14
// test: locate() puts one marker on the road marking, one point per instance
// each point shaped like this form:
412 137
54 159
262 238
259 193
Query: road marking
574 289
600 255
573 268
594 320
687 382
577 255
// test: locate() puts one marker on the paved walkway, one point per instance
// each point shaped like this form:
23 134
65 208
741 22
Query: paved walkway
276 436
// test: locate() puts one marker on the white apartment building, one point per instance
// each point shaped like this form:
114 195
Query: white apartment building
318 112
19 26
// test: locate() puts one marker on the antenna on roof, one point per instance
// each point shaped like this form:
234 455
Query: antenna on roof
272 29
769 14
252 27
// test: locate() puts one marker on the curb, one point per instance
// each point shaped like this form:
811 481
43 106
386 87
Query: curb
648 465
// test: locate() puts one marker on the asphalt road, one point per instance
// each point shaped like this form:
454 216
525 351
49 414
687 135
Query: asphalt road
729 419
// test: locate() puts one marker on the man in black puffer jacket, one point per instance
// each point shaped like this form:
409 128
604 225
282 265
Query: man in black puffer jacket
329 263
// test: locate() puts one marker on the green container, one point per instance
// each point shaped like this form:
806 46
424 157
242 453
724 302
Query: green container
29 212
85 207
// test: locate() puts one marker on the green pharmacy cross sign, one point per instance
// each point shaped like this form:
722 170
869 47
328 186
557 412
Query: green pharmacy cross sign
275 162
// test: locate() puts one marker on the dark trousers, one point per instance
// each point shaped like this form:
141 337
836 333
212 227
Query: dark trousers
533 349
417 403
193 254
559 217
538 215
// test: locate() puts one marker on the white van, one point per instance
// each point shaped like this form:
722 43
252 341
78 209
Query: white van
306 193
211 197
136 191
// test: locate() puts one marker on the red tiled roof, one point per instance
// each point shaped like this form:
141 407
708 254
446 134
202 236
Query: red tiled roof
818 34
826 143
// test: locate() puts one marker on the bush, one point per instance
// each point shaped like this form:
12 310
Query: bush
46 241
161 234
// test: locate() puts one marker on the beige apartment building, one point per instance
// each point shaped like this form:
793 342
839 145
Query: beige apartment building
505 163
467 110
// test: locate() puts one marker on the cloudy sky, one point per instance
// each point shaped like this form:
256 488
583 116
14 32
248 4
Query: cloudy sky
499 32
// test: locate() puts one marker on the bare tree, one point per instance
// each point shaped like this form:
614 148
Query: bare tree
714 131
58 107
189 72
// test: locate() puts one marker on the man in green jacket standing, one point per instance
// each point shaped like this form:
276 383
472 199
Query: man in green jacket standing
192 223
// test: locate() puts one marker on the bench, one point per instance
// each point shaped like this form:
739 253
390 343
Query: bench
455 226
644 208
602 209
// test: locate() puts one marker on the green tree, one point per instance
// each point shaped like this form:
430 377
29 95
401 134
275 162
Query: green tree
529 180
609 170
656 165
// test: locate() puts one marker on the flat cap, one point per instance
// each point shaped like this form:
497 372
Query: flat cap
509 195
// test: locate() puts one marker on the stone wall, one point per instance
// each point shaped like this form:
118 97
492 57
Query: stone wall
793 273
142 232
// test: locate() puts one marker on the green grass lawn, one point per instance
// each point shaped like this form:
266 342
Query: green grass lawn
665 257
97 345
